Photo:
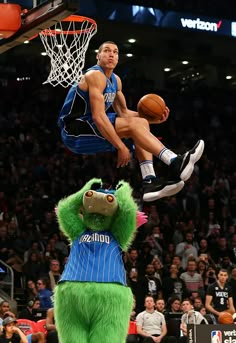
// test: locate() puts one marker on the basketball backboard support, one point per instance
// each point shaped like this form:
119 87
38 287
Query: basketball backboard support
37 19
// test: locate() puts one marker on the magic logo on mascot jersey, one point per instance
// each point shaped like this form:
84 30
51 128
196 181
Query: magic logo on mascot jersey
95 237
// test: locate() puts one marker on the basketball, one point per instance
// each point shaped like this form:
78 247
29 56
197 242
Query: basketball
151 107
225 318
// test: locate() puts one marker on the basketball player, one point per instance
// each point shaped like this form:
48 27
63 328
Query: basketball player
219 296
87 127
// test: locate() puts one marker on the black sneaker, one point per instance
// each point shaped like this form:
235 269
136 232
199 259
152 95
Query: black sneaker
155 189
183 165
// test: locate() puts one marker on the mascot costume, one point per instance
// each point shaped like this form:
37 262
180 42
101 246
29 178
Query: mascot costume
92 301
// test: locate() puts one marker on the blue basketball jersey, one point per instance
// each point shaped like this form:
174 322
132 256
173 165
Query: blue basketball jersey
83 110
95 257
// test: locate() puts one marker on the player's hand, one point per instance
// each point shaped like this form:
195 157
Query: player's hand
123 157
165 115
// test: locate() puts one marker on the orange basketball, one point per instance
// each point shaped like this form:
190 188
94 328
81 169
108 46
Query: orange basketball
151 107
225 318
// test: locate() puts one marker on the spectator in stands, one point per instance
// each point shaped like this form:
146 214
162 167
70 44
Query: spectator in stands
158 266
190 316
131 259
193 280
219 295
173 284
202 268
186 249
132 280
197 303
203 247
160 305
44 293
61 244
54 273
146 257
52 336
174 304
220 250
33 248
177 260
28 313
155 240
11 333
151 324
31 289
33 267
147 285
5 310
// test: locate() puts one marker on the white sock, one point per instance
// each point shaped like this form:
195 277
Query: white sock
147 169
166 156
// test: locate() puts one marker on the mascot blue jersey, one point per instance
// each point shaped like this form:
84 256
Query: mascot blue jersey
95 257
77 103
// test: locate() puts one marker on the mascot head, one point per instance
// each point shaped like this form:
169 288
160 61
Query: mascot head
99 208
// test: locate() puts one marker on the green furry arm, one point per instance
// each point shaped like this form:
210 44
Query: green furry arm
68 212
124 224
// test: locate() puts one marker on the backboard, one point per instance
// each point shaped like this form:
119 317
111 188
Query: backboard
37 16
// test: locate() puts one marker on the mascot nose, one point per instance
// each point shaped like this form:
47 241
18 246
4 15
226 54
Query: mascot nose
100 203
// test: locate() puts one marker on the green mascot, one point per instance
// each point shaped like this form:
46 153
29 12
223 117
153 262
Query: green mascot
92 301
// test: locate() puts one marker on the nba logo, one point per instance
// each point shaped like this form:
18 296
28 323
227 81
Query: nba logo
216 337
233 28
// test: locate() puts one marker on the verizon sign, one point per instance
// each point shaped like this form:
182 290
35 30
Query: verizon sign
198 24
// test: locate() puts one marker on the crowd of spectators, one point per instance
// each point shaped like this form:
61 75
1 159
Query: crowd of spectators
192 233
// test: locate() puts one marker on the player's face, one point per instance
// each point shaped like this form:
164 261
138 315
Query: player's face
222 277
108 56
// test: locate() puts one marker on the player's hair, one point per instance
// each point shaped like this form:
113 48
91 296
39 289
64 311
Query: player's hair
223 271
107 42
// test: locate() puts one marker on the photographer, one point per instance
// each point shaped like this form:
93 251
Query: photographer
210 277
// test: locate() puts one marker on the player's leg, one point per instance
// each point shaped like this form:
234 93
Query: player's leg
138 129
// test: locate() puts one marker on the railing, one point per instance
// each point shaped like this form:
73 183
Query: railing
8 280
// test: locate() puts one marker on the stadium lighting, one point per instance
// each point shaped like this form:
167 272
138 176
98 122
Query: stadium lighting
228 77
185 62
167 69
131 40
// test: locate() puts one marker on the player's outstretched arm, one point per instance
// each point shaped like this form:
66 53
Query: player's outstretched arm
124 224
69 212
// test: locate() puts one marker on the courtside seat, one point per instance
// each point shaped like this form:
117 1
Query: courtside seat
41 326
27 326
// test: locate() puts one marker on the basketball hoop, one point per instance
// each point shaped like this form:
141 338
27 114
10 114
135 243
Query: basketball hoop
66 45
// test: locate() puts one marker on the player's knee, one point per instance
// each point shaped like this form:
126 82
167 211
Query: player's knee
136 122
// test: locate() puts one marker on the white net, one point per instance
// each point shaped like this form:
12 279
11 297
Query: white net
66 45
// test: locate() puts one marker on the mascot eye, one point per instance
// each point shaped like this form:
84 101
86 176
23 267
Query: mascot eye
89 194
110 198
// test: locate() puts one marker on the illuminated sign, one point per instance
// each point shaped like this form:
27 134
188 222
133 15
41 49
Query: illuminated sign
198 24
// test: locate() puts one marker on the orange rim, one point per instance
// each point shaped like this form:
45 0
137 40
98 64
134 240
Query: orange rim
75 18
